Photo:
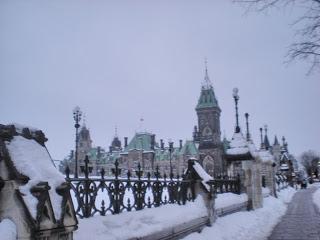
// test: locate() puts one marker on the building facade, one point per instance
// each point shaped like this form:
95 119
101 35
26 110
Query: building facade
144 149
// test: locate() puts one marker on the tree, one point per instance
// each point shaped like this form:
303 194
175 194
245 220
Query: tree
67 161
307 47
310 160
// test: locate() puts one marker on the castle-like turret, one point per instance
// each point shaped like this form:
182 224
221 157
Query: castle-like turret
208 134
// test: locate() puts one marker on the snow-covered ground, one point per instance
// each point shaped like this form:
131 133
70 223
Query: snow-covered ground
265 192
8 230
316 196
228 199
253 225
139 223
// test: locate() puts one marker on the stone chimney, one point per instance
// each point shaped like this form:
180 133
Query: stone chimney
125 142
161 144
153 141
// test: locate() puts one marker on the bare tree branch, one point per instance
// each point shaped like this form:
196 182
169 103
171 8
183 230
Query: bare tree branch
308 28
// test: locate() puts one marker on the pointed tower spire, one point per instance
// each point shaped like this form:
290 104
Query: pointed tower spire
116 131
84 121
261 139
207 97
284 145
266 139
207 83
247 124
276 142
116 143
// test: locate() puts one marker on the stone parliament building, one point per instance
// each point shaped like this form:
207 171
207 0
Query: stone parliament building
207 146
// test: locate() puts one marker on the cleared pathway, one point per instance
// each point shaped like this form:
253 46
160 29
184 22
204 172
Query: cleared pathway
301 221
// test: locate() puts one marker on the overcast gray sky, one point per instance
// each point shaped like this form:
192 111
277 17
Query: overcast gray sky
123 60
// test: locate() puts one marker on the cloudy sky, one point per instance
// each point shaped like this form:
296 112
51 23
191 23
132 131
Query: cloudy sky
121 61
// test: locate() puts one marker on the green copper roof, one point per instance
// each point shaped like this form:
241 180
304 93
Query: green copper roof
101 156
189 148
207 98
141 141
161 155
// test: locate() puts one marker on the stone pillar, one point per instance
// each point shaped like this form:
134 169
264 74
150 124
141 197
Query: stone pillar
252 183
205 190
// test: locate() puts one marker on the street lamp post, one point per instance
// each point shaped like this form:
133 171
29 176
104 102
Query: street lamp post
236 99
247 124
77 117
170 157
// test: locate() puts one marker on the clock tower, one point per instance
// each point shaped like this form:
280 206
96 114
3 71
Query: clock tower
207 134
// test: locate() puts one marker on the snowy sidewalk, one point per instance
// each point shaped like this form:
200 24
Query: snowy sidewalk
301 221
252 225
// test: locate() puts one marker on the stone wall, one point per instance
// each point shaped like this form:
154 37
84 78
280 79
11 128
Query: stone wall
26 199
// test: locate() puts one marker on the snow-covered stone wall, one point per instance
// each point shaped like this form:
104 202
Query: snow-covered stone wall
34 196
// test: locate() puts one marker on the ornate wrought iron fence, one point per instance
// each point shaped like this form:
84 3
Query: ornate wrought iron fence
103 196
281 181
225 184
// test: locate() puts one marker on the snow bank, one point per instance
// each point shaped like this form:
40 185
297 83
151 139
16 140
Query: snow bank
203 174
139 223
286 195
228 199
316 198
8 230
265 192
33 160
253 225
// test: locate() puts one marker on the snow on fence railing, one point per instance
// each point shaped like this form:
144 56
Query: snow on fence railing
103 196
281 181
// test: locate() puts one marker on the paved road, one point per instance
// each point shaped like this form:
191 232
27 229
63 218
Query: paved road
301 221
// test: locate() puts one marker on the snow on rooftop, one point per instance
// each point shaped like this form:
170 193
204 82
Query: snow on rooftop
203 174
8 230
265 156
131 225
238 145
284 166
33 160
252 148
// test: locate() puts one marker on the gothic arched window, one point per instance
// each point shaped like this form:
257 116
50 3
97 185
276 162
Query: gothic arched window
208 164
